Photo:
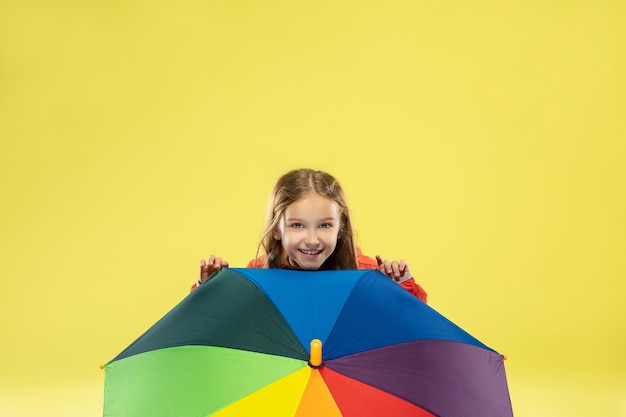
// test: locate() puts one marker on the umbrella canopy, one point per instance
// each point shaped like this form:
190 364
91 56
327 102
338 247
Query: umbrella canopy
305 343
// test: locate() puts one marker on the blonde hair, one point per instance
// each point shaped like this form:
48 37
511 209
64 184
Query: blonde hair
291 187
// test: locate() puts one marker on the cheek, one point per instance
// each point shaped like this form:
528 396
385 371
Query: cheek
331 239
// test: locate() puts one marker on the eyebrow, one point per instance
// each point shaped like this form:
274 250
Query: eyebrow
292 219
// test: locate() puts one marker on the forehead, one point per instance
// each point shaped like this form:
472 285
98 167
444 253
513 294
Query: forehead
313 205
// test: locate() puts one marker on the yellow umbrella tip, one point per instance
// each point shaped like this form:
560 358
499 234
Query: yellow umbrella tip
315 356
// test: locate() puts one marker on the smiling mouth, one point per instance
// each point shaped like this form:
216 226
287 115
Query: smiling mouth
310 252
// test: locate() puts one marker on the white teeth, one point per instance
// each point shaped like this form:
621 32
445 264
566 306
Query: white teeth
310 252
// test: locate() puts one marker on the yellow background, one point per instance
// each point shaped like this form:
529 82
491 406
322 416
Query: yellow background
484 142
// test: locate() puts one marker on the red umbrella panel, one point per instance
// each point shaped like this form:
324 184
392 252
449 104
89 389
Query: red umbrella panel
305 343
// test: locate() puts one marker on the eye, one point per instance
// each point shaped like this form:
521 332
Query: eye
297 225
326 225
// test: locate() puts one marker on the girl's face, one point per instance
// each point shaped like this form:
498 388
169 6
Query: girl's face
309 229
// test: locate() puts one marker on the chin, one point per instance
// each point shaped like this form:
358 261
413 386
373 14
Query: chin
310 266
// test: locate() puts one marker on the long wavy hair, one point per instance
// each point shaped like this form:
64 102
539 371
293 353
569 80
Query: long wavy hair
291 187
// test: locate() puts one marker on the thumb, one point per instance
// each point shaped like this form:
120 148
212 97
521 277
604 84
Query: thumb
204 273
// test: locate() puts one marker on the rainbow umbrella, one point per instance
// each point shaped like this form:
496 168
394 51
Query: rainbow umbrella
273 342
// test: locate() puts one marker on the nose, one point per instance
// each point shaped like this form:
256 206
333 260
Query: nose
311 238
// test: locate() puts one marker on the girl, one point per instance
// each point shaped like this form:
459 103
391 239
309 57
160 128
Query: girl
308 227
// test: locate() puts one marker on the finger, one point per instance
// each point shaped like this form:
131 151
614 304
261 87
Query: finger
404 268
381 264
203 266
204 270
387 268
396 269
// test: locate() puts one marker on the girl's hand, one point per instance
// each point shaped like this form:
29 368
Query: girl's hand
211 266
397 271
